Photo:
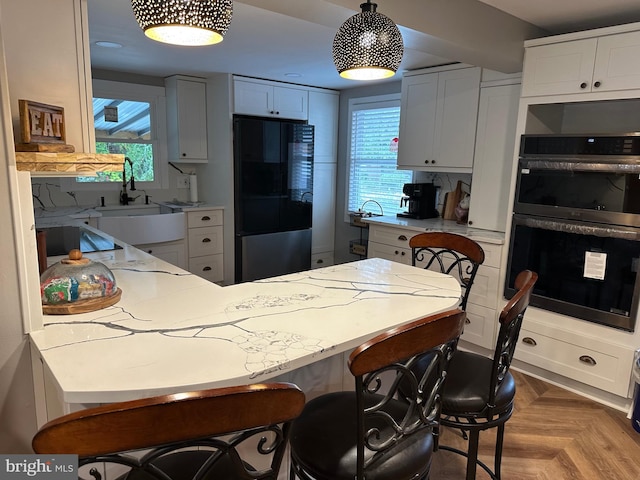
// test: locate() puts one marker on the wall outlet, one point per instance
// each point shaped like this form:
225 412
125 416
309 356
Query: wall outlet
182 181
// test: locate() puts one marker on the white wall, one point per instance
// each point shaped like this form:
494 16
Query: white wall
17 406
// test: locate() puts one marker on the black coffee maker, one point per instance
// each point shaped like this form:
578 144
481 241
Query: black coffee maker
420 200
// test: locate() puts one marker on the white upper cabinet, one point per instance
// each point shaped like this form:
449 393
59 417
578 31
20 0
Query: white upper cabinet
438 120
602 64
267 99
186 119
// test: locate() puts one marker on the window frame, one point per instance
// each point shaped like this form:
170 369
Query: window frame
156 98
361 103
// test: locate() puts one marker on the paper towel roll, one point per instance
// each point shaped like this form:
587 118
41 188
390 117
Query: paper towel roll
193 188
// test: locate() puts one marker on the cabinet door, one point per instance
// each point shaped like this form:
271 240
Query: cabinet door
324 202
171 252
417 120
388 252
494 156
323 114
559 68
616 65
187 120
290 103
456 117
252 98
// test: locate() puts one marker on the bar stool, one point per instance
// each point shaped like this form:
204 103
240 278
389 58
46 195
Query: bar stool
448 253
479 392
191 435
369 432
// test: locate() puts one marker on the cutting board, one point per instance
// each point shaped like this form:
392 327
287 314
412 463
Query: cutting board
451 202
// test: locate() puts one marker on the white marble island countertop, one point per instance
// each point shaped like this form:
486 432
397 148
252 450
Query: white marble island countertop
173 331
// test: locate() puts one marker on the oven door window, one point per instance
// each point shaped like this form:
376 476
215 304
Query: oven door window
581 274
588 190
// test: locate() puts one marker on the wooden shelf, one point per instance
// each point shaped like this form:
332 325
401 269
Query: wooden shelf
68 163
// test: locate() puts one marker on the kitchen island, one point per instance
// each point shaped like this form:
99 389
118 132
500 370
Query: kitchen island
173 331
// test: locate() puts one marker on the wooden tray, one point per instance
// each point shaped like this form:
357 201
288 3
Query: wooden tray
82 306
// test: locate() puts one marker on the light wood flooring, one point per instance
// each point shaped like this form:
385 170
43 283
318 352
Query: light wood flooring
553 434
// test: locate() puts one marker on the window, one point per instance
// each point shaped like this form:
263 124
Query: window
373 147
128 119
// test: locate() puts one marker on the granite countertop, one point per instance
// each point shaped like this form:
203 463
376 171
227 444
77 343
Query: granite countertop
439 225
173 331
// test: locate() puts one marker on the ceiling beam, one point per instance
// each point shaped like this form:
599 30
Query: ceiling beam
482 36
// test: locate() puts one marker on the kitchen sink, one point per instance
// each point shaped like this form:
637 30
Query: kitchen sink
139 229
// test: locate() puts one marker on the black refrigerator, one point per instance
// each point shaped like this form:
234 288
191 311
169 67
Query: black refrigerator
273 185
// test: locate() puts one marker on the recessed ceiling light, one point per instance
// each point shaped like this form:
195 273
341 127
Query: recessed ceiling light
105 44
292 75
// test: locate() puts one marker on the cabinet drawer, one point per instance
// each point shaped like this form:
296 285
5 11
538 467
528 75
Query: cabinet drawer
480 326
208 267
484 290
205 241
204 218
390 236
320 260
388 252
608 367
492 254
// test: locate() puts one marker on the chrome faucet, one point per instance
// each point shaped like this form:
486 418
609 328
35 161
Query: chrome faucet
124 196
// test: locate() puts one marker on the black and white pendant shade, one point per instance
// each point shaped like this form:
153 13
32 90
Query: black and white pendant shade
184 22
368 46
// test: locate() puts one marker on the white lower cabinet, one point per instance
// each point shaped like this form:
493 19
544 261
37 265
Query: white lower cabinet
589 360
171 252
389 243
392 243
205 239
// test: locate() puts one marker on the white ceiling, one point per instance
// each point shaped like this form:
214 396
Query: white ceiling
275 38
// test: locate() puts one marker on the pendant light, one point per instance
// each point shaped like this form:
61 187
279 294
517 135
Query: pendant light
368 45
184 22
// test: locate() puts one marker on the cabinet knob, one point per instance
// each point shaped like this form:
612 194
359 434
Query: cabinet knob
149 251
597 84
583 85
184 154
470 222
529 341
403 253
206 240
588 360
396 252
206 269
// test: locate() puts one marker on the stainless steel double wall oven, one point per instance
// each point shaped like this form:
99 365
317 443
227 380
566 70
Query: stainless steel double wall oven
576 222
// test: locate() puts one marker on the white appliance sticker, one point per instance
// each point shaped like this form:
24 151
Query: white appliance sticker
595 263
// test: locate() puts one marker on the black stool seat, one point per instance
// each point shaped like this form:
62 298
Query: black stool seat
466 391
327 429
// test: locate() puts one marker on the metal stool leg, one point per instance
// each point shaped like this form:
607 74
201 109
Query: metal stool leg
498 454
472 454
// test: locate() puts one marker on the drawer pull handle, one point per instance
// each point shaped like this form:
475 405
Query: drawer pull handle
403 238
206 240
319 261
206 269
206 218
529 341
467 321
588 360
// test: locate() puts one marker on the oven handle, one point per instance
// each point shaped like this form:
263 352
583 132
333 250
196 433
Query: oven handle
578 228
579 165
